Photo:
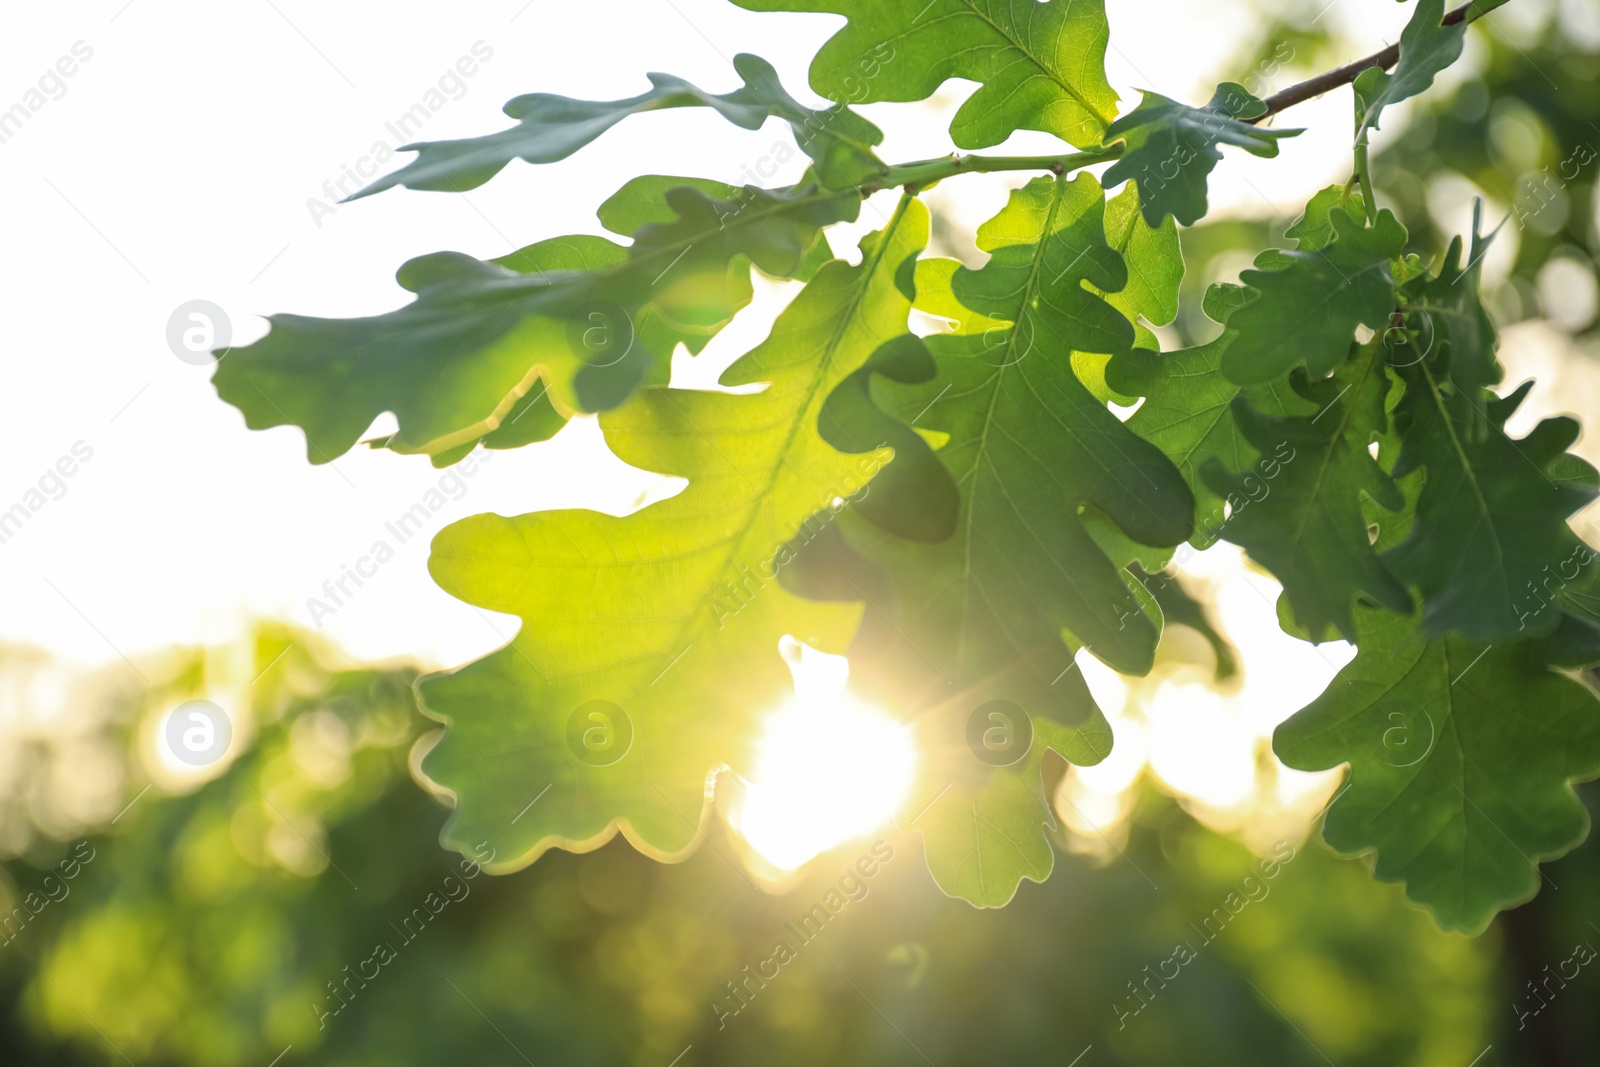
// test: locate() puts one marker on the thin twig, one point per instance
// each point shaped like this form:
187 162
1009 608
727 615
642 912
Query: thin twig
1388 57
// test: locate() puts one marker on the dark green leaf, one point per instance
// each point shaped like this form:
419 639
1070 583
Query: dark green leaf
1021 567
1187 412
1300 514
1461 763
1172 148
1491 522
551 128
1448 317
1313 300
915 497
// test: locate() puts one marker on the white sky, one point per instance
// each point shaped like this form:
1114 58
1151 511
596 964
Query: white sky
178 165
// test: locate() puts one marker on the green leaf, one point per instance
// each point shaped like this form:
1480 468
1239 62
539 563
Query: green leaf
532 417
1153 257
550 128
1300 514
593 319
996 611
672 615
1314 230
1039 66
642 202
1172 148
1447 313
1188 414
1313 300
1426 48
916 497
1021 567
1461 763
1491 520
1490 546
1574 584
1155 273
982 840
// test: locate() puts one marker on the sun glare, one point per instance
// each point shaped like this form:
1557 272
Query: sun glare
1207 744
828 768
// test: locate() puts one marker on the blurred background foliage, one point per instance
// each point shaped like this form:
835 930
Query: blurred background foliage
232 922
218 920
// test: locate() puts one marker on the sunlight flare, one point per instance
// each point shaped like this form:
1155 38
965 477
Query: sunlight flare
829 768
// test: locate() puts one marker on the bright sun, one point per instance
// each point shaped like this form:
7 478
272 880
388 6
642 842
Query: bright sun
828 767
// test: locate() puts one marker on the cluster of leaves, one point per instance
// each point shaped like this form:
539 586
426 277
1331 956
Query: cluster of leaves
1343 429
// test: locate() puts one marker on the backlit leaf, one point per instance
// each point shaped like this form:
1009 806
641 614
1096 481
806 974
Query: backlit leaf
669 618
992 616
1021 567
1155 272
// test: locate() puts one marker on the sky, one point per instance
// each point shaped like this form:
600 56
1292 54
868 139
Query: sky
194 154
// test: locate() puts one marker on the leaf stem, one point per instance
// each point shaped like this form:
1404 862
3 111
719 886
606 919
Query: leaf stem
923 173
1364 175
1388 57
